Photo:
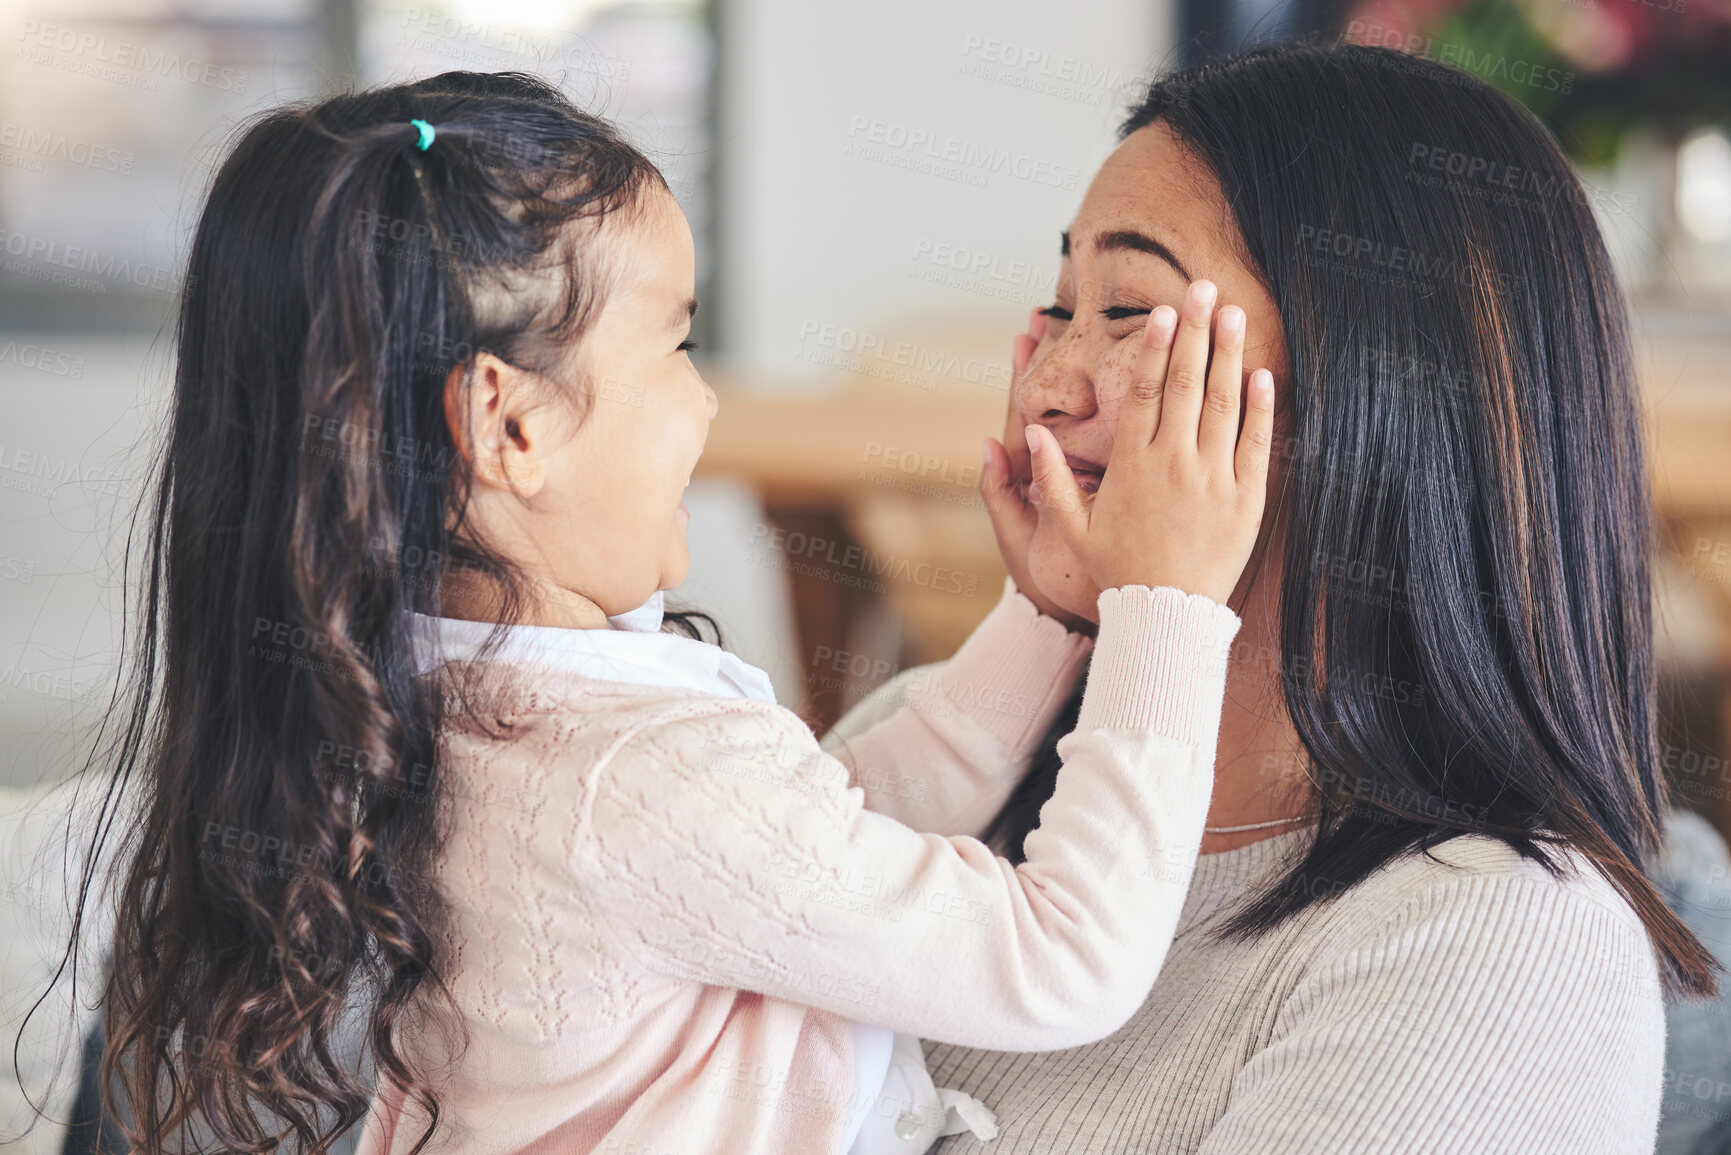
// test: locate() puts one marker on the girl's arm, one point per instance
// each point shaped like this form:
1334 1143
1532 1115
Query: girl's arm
778 880
966 729
728 849
963 731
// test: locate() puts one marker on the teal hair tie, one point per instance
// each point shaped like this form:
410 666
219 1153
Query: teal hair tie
426 131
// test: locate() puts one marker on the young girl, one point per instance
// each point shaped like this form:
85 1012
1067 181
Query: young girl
424 755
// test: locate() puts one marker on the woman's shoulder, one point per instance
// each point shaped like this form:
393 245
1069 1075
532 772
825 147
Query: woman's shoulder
1476 950
1477 901
1477 870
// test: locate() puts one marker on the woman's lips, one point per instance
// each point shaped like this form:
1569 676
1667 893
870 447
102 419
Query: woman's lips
1087 473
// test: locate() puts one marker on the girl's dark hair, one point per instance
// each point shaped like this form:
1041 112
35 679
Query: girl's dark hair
278 871
1466 635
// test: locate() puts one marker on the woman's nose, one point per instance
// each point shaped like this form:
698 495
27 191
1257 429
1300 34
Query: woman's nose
1058 383
710 401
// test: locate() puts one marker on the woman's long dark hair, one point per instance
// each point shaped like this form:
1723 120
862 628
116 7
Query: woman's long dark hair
1466 634
279 748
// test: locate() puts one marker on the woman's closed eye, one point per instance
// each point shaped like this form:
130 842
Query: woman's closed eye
1111 313
687 346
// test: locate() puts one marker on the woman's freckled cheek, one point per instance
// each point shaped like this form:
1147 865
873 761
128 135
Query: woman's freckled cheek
1117 361
1114 384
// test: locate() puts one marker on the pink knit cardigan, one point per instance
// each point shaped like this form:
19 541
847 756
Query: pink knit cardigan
668 905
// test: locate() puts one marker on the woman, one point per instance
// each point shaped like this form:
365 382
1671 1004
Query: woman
1420 922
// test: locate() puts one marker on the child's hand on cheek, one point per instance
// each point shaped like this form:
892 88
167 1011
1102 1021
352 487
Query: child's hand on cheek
1004 474
1182 497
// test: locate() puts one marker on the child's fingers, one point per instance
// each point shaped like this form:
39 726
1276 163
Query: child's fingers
1055 489
1257 438
1219 430
1139 419
1186 375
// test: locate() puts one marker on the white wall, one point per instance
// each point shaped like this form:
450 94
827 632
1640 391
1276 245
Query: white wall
815 234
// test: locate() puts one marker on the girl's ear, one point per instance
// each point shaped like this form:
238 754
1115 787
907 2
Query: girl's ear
488 408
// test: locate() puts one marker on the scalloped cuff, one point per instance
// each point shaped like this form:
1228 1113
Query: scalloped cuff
1159 664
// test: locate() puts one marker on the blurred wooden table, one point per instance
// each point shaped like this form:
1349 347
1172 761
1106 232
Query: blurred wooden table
873 494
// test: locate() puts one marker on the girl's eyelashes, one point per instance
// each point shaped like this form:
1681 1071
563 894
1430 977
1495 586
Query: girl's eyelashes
1058 313
687 346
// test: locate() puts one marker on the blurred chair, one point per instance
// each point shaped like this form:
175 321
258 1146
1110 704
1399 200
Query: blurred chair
749 601
1694 874
39 874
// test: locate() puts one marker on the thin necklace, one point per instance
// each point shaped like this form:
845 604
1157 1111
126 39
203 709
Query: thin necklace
1256 825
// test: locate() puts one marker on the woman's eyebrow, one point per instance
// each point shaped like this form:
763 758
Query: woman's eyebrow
683 312
1129 240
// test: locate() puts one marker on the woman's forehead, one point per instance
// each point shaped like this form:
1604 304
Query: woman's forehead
1153 186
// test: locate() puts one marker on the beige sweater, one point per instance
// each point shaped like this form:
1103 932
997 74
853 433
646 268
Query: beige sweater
1474 1008
1463 1009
